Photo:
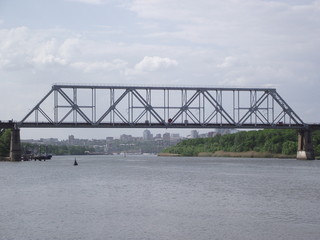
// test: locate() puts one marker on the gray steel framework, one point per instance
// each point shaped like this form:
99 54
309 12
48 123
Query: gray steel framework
101 106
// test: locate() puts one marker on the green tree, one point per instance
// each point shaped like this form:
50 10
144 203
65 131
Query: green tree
289 147
271 140
5 138
316 142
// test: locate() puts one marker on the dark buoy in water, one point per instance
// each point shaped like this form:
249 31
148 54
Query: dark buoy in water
75 162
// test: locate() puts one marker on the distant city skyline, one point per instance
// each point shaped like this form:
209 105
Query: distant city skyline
183 134
126 143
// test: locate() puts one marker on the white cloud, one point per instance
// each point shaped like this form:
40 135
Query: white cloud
70 48
116 64
228 62
96 2
12 37
47 54
164 9
38 50
260 42
22 48
231 22
150 64
14 49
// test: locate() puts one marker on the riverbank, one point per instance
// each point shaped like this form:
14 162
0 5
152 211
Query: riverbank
268 143
249 154
164 154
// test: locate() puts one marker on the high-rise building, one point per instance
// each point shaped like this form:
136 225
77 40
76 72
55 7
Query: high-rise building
147 135
194 134
158 136
71 139
166 137
126 138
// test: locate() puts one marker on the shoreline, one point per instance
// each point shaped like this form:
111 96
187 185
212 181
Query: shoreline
5 159
249 154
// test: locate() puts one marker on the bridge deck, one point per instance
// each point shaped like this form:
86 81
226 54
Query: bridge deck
7 125
314 126
157 125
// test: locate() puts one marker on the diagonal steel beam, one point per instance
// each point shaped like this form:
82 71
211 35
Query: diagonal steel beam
37 106
113 106
45 115
218 107
65 116
210 117
147 106
185 107
193 117
254 108
140 116
261 117
74 106
118 113
286 108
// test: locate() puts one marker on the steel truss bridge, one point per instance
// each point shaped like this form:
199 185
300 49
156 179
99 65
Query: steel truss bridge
101 106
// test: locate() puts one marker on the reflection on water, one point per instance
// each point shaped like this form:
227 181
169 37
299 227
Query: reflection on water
149 197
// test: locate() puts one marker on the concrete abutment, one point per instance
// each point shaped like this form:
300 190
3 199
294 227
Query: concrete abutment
15 145
305 149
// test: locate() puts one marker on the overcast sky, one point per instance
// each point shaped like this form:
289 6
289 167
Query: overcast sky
229 43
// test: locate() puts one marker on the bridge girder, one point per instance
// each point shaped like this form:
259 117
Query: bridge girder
97 106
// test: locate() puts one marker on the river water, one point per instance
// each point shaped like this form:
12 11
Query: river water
149 197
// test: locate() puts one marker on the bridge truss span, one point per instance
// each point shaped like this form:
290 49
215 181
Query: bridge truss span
161 107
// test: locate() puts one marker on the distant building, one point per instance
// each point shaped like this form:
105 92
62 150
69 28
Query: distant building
166 137
158 136
49 140
71 140
109 139
147 136
203 135
194 134
126 138
211 134
175 137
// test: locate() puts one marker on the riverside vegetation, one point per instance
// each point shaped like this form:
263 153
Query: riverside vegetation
263 143
5 143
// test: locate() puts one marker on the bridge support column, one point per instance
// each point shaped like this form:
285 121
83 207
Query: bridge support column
305 148
15 145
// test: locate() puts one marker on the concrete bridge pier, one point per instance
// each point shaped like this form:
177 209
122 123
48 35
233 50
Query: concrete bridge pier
15 146
305 147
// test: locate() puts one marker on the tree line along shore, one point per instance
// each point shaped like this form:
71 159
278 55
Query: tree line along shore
268 143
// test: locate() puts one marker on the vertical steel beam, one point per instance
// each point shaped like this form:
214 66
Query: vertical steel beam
56 109
75 100
94 105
